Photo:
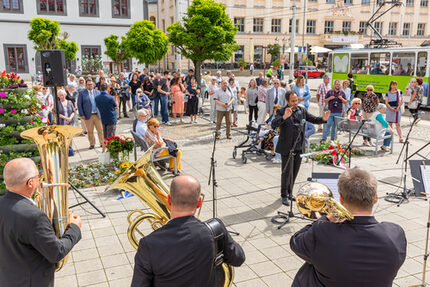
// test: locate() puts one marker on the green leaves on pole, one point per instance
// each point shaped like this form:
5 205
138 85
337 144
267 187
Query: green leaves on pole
146 43
116 50
44 34
274 50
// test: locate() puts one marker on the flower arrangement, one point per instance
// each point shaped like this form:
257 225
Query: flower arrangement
11 81
338 153
119 144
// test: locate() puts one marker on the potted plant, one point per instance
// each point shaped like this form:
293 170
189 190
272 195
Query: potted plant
242 64
119 146
276 64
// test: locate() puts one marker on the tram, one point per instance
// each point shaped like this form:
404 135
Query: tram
379 66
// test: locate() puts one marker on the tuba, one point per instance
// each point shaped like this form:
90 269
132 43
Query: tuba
52 197
315 199
143 180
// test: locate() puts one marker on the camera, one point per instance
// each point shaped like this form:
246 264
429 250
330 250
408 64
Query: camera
335 104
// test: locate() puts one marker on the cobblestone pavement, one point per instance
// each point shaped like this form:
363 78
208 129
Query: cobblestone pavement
248 196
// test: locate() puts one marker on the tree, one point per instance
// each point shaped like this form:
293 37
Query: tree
116 50
206 33
44 34
146 43
274 50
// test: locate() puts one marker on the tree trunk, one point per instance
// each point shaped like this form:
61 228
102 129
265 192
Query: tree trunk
197 65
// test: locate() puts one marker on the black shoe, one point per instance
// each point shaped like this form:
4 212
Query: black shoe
91 147
285 201
126 116
101 145
291 197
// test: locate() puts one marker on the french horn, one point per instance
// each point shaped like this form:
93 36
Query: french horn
52 196
143 180
315 199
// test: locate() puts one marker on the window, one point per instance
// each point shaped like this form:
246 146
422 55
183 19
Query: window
91 51
392 29
312 0
11 6
346 26
258 54
240 24
421 29
422 64
363 28
88 8
329 1
406 29
16 58
347 2
51 7
424 3
328 26
379 63
238 54
378 27
311 26
153 20
403 64
410 3
258 25
290 25
276 25
365 2
359 63
172 20
120 9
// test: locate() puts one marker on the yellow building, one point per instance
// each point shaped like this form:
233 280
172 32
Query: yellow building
325 23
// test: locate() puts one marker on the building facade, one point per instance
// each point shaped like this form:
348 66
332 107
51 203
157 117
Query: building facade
325 23
87 22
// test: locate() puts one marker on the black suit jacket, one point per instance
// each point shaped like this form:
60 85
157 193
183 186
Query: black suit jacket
292 128
29 248
181 254
357 253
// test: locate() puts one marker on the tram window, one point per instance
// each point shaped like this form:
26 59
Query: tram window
380 63
403 64
422 64
359 63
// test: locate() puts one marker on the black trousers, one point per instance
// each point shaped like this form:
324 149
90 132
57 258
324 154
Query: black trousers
286 185
253 110
123 102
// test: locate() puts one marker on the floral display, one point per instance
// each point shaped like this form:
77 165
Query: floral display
11 81
338 154
117 145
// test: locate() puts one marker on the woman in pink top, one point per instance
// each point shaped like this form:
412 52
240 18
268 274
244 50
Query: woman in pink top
177 90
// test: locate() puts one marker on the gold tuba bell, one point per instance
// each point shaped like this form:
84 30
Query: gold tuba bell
52 197
315 199
143 180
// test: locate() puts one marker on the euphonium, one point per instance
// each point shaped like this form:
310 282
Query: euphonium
144 181
52 197
315 199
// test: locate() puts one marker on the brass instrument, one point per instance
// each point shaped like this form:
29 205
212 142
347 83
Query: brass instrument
52 197
315 199
143 180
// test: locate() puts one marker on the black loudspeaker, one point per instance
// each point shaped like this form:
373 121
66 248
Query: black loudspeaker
53 68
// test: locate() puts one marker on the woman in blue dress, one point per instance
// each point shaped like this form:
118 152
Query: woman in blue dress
394 102
192 92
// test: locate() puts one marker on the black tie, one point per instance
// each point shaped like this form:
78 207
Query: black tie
276 97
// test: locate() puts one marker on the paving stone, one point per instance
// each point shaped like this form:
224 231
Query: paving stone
88 265
278 280
66 281
90 278
118 272
265 268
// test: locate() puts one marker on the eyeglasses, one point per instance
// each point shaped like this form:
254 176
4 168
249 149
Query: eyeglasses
356 103
370 90
28 180
156 126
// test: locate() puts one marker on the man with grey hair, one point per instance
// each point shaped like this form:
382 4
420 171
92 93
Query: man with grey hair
29 247
141 127
181 253
223 99
356 253
275 96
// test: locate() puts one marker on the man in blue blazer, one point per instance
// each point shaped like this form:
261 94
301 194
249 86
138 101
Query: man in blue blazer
90 113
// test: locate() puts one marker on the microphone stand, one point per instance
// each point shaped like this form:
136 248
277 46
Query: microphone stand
212 179
349 147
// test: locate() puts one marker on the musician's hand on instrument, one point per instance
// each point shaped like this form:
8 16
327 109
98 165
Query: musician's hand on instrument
332 218
288 112
326 115
75 219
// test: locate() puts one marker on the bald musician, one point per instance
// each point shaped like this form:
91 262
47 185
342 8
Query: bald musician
181 253
29 248
357 253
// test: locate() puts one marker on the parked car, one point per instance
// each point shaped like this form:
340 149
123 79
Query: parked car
312 72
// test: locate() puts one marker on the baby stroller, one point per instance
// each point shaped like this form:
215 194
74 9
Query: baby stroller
253 146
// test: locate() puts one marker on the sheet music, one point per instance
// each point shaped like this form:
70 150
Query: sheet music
425 173
332 184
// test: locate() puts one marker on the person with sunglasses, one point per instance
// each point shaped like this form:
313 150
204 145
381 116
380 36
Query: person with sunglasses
370 103
29 247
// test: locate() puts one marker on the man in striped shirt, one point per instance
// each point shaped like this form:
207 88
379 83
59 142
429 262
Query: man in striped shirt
322 90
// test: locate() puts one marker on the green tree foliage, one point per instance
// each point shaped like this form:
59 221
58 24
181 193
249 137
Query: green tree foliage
146 43
206 33
116 50
45 35
274 50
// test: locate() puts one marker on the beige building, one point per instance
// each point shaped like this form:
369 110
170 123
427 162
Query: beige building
328 23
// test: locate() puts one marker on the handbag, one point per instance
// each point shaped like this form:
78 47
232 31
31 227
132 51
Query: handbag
172 147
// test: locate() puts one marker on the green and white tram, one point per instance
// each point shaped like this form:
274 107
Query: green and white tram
379 66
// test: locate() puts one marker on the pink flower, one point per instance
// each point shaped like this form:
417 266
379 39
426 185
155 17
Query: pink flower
13 111
3 95
31 122
1 111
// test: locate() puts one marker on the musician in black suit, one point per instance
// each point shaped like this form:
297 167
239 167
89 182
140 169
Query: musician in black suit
291 121
357 253
29 248
181 253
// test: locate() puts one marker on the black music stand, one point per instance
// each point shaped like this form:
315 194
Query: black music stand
86 200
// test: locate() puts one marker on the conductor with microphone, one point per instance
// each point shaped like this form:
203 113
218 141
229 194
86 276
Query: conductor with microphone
291 121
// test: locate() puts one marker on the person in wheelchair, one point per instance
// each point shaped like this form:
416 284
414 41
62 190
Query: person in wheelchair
153 137
143 101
